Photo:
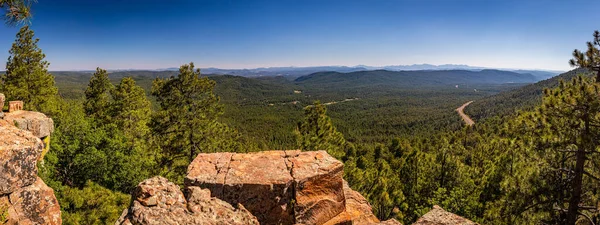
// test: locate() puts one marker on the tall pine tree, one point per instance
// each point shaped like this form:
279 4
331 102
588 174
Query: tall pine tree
570 123
131 109
316 132
27 78
97 97
186 123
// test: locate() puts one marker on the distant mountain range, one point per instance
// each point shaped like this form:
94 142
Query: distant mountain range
302 71
295 72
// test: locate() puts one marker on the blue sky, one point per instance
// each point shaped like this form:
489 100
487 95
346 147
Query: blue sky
149 34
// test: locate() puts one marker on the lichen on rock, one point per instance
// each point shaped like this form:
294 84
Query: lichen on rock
158 201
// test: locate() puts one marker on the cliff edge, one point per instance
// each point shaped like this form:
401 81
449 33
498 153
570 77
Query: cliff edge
24 197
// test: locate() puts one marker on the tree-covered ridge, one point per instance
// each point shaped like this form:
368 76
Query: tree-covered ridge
509 102
413 78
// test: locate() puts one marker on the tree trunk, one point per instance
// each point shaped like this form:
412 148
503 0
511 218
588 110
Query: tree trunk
598 75
576 188
192 147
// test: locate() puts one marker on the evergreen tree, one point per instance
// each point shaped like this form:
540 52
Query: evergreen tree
131 109
27 78
591 58
316 132
569 118
97 97
186 123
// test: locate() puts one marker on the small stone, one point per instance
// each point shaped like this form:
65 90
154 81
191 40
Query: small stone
151 201
14 106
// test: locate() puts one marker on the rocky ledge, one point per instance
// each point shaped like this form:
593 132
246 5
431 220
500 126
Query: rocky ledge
158 201
23 196
271 187
35 122
282 187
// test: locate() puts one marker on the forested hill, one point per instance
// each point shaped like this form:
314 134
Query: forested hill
508 102
414 78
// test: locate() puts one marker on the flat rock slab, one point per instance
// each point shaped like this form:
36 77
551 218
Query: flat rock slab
19 154
278 187
439 216
35 122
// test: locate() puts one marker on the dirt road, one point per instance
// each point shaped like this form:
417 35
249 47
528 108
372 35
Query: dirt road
464 116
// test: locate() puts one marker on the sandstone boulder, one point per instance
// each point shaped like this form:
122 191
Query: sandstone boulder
261 182
19 153
357 210
318 187
34 204
14 106
158 201
282 187
2 99
23 195
37 123
439 216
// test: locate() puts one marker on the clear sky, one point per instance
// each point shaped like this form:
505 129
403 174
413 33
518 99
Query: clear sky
150 34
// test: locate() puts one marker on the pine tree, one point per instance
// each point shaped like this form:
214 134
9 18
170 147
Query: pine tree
27 78
186 123
131 109
570 120
97 97
316 132
591 58
16 11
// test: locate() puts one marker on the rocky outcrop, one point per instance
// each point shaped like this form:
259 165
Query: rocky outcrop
158 201
24 197
282 187
33 204
271 187
439 216
35 122
19 152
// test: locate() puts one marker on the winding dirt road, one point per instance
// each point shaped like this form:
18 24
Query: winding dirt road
464 116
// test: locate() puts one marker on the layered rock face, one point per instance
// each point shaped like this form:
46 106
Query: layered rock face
158 201
272 187
23 195
282 187
439 216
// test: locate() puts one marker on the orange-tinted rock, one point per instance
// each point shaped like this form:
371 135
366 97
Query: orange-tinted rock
261 182
439 216
34 204
158 201
318 187
14 106
357 210
19 153
390 222
282 187
2 99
